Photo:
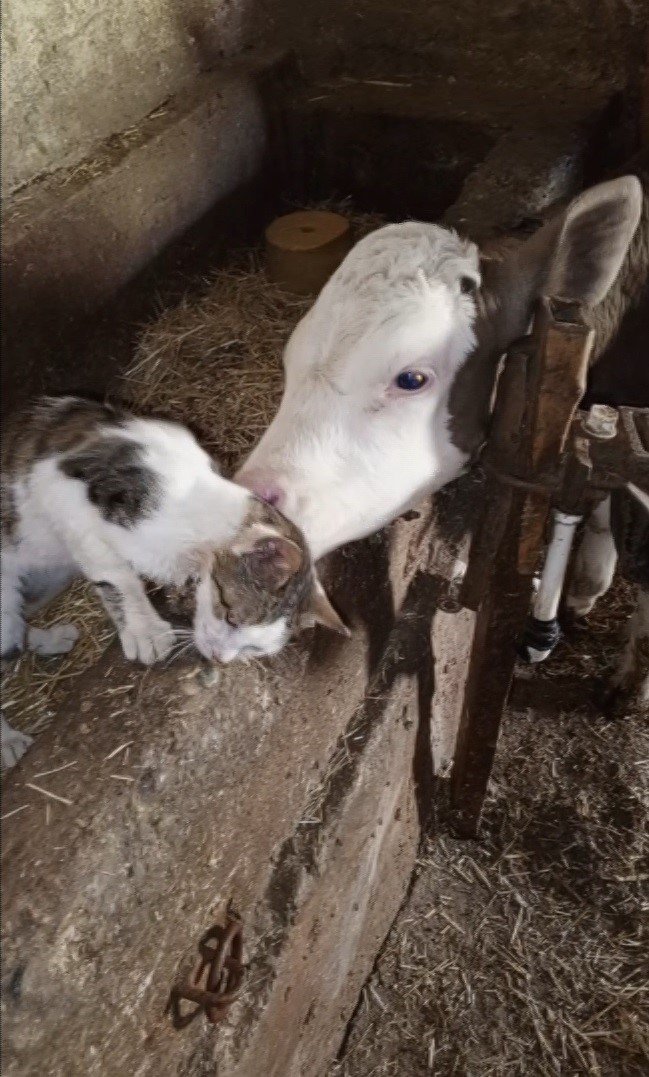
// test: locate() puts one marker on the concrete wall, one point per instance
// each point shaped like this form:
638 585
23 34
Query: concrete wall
123 124
558 44
76 71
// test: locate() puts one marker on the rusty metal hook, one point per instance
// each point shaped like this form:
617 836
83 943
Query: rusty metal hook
217 978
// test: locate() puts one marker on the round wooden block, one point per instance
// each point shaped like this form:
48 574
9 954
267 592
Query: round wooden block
303 249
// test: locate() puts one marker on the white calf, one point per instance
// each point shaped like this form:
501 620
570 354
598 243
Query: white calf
389 375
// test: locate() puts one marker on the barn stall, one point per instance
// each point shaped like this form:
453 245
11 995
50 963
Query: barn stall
296 796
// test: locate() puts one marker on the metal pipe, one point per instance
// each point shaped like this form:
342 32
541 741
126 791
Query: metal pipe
542 632
639 494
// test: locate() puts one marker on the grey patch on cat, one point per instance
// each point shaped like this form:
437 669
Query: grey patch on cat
124 490
180 602
52 425
244 600
15 984
113 600
8 511
67 421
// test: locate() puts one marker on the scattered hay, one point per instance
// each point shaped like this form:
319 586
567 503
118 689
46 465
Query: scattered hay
214 363
593 648
32 687
526 953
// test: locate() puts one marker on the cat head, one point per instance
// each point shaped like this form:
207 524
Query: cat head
258 592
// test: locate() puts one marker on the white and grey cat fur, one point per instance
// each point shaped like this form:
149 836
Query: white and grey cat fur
91 490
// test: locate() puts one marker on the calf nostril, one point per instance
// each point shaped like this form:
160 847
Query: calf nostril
270 493
263 487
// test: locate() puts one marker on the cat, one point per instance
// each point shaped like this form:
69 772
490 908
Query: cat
92 490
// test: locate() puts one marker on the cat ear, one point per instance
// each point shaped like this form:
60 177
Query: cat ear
320 611
273 560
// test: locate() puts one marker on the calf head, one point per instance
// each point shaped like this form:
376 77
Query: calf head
389 376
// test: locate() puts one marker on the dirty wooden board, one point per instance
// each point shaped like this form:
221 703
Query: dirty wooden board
556 373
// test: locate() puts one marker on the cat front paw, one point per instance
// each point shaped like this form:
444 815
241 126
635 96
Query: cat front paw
46 642
14 744
148 644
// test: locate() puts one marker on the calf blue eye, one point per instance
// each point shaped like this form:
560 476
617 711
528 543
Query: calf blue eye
411 380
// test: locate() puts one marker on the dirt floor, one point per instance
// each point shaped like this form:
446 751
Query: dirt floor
526 952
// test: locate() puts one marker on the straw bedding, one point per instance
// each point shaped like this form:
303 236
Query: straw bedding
214 363
526 953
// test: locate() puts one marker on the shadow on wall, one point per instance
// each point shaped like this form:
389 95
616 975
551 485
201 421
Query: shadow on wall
50 343
358 579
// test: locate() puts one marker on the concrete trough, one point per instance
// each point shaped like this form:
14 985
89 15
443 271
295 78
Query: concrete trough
227 793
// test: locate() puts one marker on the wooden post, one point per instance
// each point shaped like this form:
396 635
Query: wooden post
644 103
525 461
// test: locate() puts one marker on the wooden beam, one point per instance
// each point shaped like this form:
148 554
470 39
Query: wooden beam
530 453
644 103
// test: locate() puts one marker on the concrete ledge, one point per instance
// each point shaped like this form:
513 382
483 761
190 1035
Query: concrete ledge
295 792
76 71
71 240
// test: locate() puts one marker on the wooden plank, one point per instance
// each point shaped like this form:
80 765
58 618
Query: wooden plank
505 437
558 382
644 104
564 342
491 669
555 379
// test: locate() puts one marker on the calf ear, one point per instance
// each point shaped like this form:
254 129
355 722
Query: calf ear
577 255
320 611
598 227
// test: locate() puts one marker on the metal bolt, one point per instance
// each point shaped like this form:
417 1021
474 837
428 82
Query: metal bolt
601 422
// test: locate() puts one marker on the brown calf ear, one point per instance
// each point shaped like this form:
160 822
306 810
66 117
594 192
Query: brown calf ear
272 560
597 230
577 255
320 611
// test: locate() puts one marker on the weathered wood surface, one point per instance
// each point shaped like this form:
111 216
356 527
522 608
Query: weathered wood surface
538 395
644 111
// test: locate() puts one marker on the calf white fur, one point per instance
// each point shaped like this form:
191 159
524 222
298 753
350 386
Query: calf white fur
362 430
